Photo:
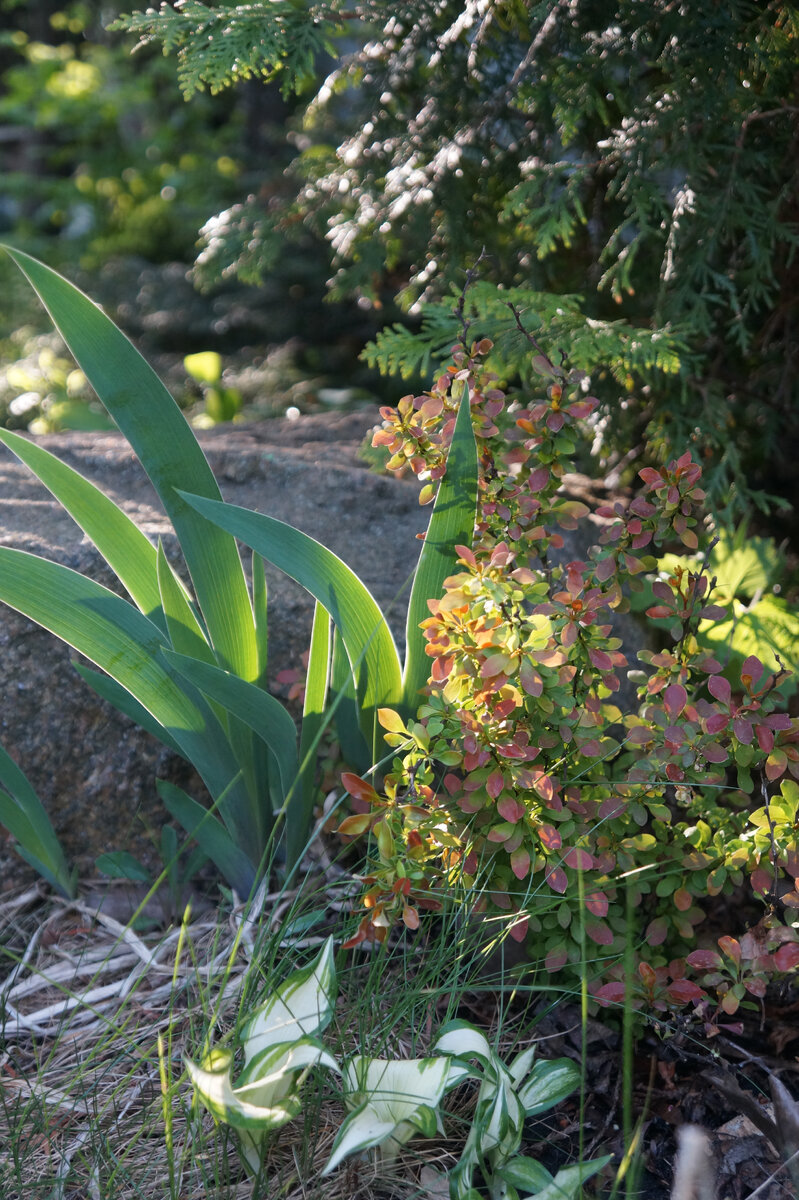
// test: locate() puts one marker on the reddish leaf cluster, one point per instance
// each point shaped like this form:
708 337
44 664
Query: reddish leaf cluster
523 778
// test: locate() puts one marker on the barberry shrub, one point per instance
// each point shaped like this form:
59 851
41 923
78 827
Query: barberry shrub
592 810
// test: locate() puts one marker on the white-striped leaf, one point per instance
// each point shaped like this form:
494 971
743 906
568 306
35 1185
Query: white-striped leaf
391 1101
302 1006
550 1081
214 1086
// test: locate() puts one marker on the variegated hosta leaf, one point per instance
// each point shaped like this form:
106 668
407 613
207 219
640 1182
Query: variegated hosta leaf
391 1101
521 1066
213 1083
457 1073
301 1006
499 1114
499 1118
395 1089
270 1076
494 1137
550 1081
267 1095
461 1040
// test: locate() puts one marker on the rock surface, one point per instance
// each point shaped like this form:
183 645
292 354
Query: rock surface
93 769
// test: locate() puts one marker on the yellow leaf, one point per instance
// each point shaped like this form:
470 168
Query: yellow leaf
390 720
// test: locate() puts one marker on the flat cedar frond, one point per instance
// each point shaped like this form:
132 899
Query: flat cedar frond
218 47
557 322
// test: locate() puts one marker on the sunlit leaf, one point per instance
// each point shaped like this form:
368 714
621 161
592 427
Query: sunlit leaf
301 1006
169 452
363 628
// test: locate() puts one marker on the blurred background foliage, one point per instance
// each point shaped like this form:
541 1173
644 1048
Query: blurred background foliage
100 157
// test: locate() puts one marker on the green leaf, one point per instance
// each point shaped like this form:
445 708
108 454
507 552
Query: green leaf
549 1082
194 863
121 865
108 689
261 712
525 1173
313 723
129 554
122 641
169 452
363 628
23 815
185 631
214 840
451 525
567 1183
353 744
259 610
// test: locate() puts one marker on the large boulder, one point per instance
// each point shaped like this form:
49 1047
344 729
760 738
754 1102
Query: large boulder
95 770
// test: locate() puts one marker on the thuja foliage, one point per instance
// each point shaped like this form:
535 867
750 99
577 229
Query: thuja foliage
594 801
558 320
637 153
221 44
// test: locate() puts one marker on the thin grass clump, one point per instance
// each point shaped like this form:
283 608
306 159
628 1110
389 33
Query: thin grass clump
96 1020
